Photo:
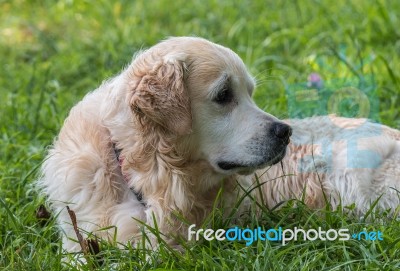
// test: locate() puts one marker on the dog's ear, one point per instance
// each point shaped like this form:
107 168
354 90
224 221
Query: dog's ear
160 95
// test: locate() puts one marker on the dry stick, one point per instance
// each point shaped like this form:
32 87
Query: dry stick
90 246
82 241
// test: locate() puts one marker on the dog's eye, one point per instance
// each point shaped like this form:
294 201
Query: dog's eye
224 96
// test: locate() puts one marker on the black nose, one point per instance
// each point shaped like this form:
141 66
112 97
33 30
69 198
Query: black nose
281 130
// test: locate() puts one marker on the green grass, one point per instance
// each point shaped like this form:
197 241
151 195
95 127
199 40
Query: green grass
52 53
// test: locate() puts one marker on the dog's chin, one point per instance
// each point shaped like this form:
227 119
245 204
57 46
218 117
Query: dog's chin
247 168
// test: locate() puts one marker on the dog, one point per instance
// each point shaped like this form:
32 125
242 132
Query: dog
178 125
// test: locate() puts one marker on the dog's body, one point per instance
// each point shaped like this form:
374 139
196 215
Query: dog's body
176 126
352 161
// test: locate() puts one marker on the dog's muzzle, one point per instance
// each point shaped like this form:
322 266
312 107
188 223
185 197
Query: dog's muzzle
271 150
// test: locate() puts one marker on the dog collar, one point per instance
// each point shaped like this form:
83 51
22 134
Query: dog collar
120 160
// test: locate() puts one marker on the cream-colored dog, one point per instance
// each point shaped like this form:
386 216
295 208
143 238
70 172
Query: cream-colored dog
166 134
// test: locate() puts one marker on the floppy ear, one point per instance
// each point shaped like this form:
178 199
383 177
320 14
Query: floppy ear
160 95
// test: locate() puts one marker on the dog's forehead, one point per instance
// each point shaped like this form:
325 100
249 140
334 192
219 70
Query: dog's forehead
205 61
200 52
211 61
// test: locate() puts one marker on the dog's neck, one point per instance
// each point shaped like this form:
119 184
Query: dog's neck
159 166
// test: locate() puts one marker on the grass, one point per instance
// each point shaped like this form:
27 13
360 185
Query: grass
52 53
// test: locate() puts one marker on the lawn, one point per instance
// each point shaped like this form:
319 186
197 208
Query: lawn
53 52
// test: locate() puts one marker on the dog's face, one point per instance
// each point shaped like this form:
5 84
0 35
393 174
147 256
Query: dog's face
214 113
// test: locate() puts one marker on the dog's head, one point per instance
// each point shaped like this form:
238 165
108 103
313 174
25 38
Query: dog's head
201 93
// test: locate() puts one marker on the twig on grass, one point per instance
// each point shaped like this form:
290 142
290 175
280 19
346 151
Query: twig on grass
88 246
82 242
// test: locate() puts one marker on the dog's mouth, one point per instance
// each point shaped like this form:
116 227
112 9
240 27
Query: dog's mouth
247 168
228 165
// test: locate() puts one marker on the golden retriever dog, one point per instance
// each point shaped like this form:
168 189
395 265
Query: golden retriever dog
162 138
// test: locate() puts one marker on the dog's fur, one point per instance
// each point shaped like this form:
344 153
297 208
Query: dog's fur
182 117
